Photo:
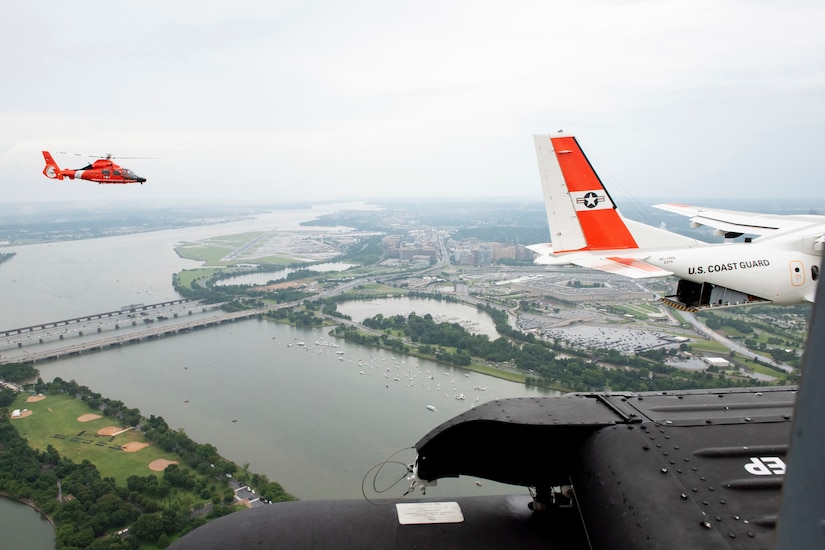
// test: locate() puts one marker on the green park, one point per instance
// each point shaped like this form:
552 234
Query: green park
105 476
79 433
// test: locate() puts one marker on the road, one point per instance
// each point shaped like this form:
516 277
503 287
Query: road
701 328
77 342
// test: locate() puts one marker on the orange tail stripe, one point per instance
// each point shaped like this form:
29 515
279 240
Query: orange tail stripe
603 228
578 174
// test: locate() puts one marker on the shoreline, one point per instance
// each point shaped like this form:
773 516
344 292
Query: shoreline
31 504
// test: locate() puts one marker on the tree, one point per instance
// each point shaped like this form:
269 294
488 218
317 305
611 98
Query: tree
147 527
56 386
7 397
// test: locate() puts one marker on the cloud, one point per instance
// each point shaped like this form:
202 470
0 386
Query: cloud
277 100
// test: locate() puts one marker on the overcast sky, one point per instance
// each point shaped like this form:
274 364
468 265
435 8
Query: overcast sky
288 100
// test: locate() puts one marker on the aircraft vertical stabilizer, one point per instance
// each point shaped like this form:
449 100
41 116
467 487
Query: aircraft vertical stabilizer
579 209
581 214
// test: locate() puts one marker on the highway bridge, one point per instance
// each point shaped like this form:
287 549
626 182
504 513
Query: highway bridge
128 324
131 309
42 343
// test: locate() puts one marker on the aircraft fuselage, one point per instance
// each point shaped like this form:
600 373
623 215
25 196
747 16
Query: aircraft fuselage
767 271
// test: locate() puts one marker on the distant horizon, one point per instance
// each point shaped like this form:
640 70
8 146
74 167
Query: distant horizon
335 100
621 199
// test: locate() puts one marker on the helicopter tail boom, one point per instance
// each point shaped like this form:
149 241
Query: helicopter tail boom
52 170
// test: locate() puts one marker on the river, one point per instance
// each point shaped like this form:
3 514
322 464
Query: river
61 280
23 527
313 416
286 400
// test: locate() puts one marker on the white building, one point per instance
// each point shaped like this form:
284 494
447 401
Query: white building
716 362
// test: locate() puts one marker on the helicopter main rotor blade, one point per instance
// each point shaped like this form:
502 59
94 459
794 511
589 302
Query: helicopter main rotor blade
107 156
78 154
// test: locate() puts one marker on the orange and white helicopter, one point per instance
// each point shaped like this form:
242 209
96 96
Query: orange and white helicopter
101 171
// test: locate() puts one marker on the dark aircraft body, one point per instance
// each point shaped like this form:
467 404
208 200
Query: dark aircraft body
683 469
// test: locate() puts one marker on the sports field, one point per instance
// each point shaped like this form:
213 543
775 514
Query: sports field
79 433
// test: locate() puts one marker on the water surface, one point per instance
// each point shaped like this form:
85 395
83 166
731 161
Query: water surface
23 527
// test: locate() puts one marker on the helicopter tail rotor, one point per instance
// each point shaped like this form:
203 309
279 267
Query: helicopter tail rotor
52 170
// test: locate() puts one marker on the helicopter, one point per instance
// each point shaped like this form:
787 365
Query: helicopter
102 170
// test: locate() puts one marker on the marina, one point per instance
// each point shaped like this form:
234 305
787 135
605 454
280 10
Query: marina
304 417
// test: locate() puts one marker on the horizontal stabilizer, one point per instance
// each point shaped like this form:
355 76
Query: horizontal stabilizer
628 267
549 259
541 248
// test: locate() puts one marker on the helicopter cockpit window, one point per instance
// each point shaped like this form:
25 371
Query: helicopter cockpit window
129 174
117 172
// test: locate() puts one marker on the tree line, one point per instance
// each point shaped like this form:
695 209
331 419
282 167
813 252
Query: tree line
537 359
154 508
236 297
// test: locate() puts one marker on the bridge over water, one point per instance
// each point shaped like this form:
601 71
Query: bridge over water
127 325
131 309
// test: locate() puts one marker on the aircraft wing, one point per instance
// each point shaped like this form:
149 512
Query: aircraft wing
734 221
626 266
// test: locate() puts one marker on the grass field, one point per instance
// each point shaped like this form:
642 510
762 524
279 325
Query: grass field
710 346
213 250
370 290
639 310
187 277
210 255
675 313
57 415
498 373
757 367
